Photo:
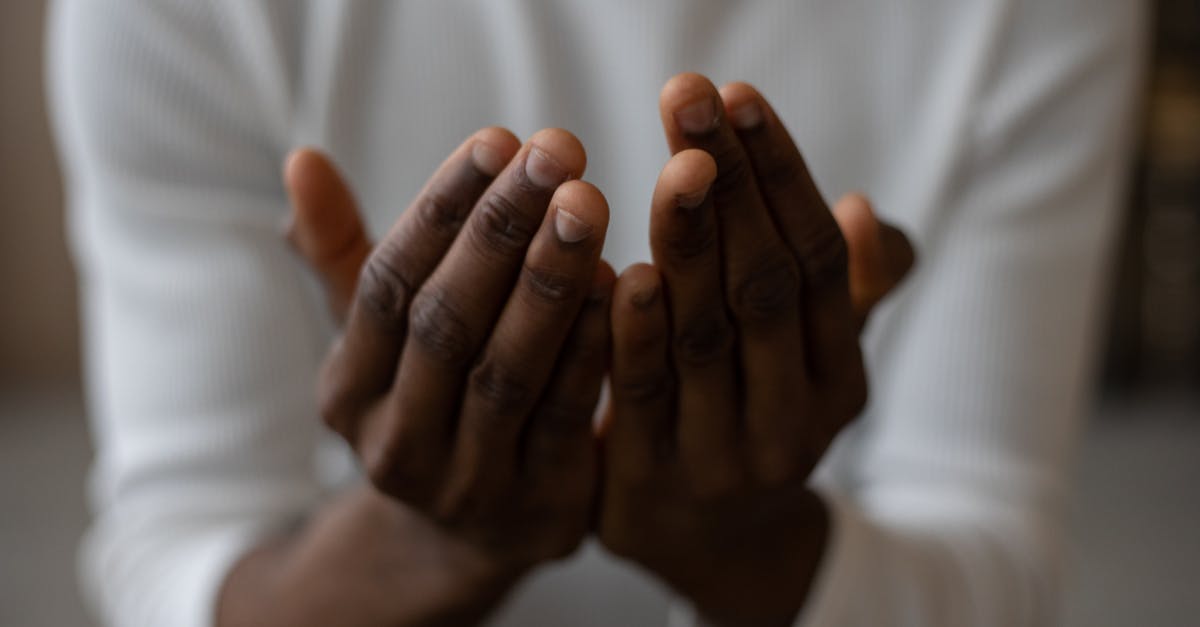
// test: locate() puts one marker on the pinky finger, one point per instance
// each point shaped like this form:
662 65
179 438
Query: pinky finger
325 226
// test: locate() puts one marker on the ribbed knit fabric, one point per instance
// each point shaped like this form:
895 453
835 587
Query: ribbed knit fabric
992 130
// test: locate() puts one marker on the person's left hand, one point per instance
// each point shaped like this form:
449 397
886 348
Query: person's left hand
735 360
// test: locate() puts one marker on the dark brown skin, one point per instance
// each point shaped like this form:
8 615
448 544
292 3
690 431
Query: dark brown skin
473 350
466 377
735 363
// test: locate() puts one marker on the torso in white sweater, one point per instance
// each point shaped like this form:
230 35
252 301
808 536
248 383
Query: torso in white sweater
992 130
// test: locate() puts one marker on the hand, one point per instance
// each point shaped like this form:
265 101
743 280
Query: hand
471 362
736 360
324 230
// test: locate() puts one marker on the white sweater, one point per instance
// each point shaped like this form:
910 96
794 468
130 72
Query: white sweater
993 131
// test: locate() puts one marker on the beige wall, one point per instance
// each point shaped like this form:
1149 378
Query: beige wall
37 300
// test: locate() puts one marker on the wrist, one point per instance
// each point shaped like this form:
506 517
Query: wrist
364 561
434 576
785 552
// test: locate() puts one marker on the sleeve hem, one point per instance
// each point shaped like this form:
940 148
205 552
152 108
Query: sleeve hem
188 581
840 570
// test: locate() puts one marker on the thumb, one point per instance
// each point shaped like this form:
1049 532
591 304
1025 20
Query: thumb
325 226
880 254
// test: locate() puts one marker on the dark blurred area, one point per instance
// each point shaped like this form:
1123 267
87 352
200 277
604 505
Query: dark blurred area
1134 554
1155 334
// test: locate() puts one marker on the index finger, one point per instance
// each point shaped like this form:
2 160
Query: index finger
809 227
761 280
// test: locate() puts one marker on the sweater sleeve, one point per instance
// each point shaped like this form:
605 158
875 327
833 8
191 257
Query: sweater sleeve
953 513
947 496
202 333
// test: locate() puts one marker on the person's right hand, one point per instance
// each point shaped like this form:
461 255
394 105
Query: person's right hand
475 341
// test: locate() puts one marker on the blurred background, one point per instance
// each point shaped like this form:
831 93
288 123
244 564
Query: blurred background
1134 536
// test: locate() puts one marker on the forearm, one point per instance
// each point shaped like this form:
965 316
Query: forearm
362 561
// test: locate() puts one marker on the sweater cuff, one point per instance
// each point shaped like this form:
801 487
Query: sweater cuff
831 594
172 580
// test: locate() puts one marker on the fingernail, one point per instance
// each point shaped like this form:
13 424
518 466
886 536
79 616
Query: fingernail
697 118
747 116
569 228
487 158
543 170
644 297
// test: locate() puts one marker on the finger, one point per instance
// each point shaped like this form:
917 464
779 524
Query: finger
880 254
558 442
362 364
453 313
325 225
871 278
685 243
761 278
511 373
807 225
641 428
864 242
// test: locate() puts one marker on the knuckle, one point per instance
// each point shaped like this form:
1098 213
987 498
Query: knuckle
691 241
384 289
642 388
705 339
500 387
733 170
549 286
561 418
825 257
503 230
437 326
768 290
439 212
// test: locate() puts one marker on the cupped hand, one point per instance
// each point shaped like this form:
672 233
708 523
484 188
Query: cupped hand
474 343
709 530
736 359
